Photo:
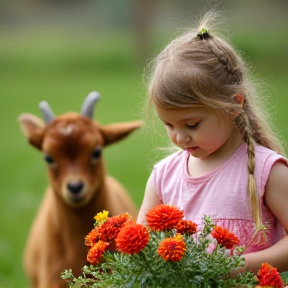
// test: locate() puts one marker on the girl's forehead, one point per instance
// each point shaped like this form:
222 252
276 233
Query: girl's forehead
183 113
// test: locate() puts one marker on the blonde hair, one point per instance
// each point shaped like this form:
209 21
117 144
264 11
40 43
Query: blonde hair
200 68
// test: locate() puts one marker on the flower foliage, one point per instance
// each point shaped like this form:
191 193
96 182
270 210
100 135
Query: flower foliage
167 252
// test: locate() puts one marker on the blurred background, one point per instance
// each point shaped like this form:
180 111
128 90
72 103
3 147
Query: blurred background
60 50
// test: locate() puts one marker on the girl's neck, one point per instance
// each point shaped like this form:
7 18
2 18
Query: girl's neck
201 166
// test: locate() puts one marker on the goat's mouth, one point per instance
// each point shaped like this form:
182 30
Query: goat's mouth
76 200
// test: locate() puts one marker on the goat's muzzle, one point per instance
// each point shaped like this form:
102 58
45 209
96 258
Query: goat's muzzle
75 192
75 187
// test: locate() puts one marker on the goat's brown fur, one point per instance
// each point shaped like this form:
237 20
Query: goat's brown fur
56 239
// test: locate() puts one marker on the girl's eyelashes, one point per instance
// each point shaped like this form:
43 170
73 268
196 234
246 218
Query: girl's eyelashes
168 125
192 126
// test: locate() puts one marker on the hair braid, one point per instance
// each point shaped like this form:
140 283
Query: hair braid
243 124
257 126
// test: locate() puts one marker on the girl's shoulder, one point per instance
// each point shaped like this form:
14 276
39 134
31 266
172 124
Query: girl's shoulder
266 154
265 160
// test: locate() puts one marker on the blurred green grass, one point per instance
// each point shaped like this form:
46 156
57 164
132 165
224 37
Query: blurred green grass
63 69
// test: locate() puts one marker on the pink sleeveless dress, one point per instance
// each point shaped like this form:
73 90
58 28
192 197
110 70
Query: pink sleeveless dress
222 194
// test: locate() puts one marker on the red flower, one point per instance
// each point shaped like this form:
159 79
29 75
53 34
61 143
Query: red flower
164 217
224 237
268 276
96 252
93 237
186 227
107 231
132 238
172 249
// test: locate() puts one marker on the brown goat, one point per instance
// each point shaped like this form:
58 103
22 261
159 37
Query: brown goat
79 188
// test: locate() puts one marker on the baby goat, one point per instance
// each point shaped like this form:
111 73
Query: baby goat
79 188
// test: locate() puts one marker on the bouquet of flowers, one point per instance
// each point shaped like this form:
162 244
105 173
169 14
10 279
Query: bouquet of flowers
167 252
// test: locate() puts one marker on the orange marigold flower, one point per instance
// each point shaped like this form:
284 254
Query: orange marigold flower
110 229
164 217
119 220
186 227
268 276
172 249
92 237
107 231
224 237
96 252
132 238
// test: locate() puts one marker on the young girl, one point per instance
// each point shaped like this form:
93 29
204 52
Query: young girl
230 165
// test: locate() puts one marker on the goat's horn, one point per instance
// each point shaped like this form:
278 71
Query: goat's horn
89 103
46 111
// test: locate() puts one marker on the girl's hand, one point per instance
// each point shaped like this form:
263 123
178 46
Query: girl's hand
237 272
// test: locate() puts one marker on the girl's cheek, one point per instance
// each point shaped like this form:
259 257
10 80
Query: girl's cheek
170 135
172 138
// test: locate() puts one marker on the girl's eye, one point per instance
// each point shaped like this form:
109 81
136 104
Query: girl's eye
192 126
168 125
96 153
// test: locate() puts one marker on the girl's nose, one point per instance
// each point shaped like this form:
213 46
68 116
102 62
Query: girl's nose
183 138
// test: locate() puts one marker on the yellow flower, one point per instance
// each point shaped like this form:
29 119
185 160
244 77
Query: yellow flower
178 237
101 216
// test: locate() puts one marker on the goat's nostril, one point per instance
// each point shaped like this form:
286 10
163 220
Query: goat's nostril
75 187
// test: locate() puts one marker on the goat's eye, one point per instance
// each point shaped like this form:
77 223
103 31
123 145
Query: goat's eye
48 159
96 153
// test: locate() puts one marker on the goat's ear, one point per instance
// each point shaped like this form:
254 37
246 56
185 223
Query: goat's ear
115 132
33 128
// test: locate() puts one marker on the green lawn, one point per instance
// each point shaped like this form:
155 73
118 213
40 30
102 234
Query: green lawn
62 71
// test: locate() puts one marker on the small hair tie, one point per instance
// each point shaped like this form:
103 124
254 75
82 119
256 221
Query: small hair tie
203 34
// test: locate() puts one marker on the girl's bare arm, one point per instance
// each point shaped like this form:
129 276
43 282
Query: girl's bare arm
276 198
150 200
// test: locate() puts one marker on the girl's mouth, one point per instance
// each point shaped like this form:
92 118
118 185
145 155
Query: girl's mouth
191 149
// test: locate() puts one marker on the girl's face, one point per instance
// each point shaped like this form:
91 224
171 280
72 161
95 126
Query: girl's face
199 130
